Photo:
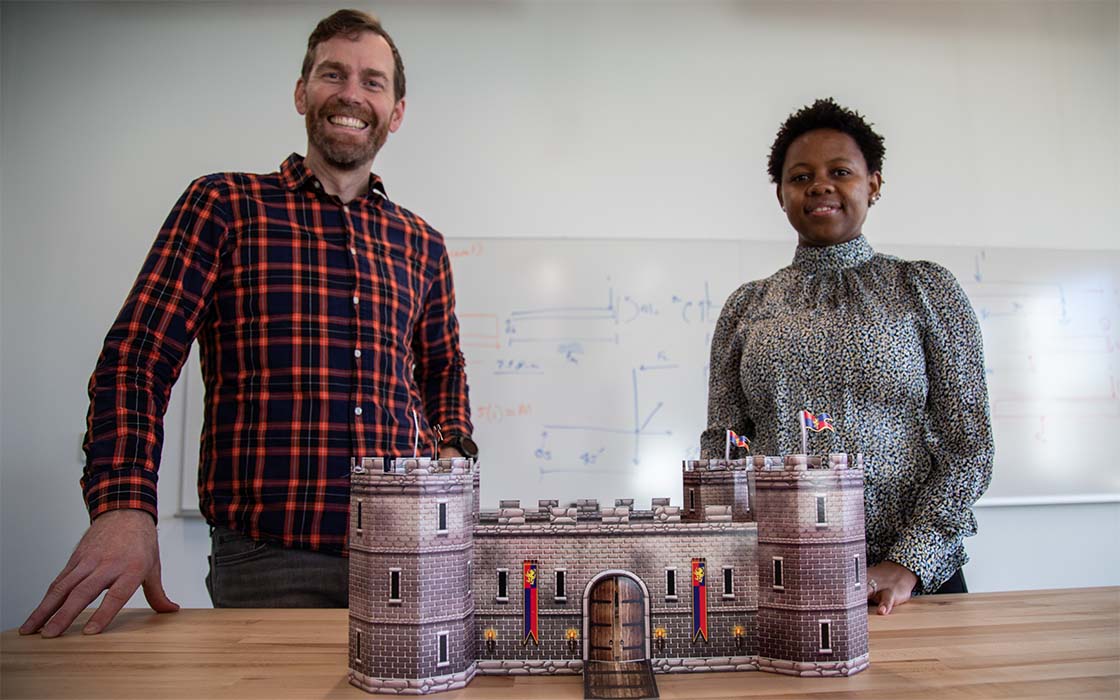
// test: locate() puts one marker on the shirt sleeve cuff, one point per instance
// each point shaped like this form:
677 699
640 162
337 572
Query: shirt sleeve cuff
925 552
120 489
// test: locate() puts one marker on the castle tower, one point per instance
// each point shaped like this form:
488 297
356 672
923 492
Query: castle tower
812 598
716 482
411 546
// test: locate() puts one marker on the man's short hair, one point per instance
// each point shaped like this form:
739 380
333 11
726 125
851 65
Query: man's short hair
350 24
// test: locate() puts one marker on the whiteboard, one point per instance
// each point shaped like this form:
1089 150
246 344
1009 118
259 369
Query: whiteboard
587 361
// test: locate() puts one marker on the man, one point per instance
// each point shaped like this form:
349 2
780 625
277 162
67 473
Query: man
326 327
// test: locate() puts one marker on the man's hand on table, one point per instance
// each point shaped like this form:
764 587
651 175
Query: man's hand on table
118 554
889 584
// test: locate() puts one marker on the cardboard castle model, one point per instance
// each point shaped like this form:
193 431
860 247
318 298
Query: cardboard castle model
762 569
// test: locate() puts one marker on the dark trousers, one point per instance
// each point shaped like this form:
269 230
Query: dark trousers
955 584
247 573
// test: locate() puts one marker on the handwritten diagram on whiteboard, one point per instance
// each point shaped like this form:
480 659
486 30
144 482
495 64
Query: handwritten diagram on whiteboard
588 362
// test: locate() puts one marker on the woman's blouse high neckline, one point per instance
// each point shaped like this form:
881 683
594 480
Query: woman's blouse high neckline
833 258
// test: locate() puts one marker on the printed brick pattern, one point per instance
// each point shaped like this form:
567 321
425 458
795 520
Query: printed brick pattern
411 651
400 517
400 512
509 637
678 640
815 576
644 552
723 484
721 634
432 586
818 565
786 505
794 635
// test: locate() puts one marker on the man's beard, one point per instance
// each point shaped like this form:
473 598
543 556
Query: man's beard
345 155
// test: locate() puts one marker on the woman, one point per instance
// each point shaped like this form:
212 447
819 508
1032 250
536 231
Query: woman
890 349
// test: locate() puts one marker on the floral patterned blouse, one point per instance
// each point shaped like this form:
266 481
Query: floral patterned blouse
892 351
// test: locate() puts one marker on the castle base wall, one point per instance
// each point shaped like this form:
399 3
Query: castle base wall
567 667
813 669
412 686
714 664
530 667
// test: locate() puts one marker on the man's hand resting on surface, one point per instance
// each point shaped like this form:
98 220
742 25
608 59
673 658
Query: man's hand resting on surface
118 554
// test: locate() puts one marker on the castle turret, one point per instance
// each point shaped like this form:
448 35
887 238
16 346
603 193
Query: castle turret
812 601
716 482
411 546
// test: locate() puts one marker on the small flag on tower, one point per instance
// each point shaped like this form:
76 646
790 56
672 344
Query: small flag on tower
817 422
739 440
734 438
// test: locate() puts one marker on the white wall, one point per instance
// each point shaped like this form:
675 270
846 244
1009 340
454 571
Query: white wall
527 119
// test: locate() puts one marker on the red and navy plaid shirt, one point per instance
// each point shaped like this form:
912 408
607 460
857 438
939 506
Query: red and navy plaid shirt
323 328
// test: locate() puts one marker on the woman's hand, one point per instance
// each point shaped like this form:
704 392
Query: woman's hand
889 584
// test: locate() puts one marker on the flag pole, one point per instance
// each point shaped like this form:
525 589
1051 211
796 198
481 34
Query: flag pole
416 440
727 445
804 435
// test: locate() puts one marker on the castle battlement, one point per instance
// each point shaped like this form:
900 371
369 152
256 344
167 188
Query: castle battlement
583 511
412 465
770 463
514 520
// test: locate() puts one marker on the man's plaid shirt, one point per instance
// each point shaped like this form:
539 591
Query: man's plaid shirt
322 328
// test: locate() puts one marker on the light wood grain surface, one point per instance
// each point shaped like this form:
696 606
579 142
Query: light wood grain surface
1032 644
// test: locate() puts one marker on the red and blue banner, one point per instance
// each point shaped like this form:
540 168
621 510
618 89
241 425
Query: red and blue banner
817 422
529 578
739 440
699 599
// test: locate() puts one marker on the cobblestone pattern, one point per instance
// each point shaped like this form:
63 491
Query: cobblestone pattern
813 669
531 667
712 664
412 686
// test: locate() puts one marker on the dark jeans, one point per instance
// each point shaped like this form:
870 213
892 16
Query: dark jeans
246 573
955 584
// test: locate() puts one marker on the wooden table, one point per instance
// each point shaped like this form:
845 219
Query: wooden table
1034 644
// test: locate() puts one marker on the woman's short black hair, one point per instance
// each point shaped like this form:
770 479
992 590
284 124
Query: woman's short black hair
826 114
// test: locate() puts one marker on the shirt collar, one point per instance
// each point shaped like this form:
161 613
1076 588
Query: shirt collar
833 258
295 175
